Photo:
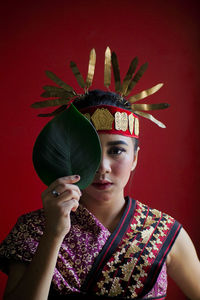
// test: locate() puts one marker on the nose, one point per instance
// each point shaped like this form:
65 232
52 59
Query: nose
105 165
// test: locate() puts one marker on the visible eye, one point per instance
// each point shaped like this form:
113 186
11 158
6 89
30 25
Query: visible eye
116 150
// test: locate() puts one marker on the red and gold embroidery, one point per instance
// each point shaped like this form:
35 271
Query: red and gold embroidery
126 272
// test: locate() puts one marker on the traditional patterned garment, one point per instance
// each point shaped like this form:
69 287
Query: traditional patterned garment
129 263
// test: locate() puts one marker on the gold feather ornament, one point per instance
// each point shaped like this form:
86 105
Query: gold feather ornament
64 93
107 68
116 72
77 74
91 68
129 75
136 78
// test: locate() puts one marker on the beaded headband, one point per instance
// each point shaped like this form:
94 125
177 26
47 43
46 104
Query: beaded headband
64 94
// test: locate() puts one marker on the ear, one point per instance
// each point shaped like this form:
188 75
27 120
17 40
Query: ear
135 159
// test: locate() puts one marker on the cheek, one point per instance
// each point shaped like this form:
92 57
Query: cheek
122 169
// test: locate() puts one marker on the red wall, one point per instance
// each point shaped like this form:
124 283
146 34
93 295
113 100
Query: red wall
40 35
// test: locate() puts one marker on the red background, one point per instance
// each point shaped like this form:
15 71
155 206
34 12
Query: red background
40 35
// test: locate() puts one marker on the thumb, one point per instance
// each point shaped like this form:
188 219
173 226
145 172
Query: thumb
72 178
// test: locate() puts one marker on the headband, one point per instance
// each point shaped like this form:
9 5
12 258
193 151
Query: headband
112 120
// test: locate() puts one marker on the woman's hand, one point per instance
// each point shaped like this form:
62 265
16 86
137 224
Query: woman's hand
58 207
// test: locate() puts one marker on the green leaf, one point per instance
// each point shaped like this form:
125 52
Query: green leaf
67 145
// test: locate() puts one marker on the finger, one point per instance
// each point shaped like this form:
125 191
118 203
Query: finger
67 196
60 189
63 200
60 181
67 179
70 205
71 193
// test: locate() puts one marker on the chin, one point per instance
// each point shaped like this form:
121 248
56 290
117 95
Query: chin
100 196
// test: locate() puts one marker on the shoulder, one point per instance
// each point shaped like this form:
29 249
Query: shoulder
154 213
22 241
25 234
33 216
30 222
162 225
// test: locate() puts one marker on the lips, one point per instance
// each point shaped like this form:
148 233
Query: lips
102 184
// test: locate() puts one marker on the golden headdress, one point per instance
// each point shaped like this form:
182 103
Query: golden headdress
64 94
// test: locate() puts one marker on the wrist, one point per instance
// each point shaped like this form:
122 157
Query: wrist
52 239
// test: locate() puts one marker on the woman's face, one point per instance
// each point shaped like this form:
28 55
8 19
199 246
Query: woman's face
117 162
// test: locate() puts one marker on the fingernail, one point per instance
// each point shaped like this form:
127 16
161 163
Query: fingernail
76 176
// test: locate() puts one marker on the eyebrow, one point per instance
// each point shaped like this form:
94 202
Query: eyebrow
114 143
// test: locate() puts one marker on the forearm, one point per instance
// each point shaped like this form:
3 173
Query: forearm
36 280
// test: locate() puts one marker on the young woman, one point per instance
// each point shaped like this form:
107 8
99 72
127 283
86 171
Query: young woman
95 243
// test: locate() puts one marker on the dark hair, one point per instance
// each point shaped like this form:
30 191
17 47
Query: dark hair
99 97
